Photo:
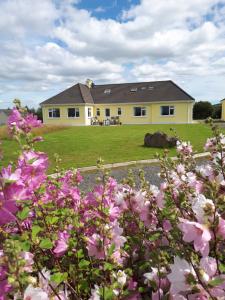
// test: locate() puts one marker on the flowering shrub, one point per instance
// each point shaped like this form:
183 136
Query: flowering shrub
115 242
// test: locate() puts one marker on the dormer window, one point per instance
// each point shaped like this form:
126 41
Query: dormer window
133 90
107 91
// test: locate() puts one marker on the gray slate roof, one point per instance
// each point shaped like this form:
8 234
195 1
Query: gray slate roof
121 93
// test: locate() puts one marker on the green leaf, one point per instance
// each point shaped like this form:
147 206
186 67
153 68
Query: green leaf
154 237
25 246
35 230
222 268
108 293
46 244
111 249
216 282
52 220
108 266
80 253
23 214
59 277
83 264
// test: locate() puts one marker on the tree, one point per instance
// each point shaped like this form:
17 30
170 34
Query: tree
202 110
39 113
217 110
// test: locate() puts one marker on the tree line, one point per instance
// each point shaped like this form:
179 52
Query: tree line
204 109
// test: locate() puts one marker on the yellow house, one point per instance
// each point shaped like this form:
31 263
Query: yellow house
155 102
223 110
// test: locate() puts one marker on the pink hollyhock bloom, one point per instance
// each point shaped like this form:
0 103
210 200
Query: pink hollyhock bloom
28 257
167 225
197 233
5 288
8 197
206 172
180 169
208 264
95 246
192 182
32 293
44 279
15 120
120 200
61 244
184 147
8 175
33 166
37 160
210 144
79 177
221 228
114 212
132 284
116 236
158 295
158 195
31 121
179 271
22 123
199 205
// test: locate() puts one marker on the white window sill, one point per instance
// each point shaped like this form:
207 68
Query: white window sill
140 116
167 115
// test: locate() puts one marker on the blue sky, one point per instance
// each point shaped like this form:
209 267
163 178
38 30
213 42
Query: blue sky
107 9
67 41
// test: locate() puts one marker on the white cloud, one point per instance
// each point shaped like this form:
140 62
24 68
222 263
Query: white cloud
47 45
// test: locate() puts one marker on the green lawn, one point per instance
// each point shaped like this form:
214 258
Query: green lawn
82 146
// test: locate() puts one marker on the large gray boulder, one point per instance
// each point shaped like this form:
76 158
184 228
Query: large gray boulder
159 140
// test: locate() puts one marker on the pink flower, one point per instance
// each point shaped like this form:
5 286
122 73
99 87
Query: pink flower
28 257
178 276
8 197
184 148
8 176
199 205
61 244
209 265
95 246
180 169
197 233
21 123
32 293
167 225
221 228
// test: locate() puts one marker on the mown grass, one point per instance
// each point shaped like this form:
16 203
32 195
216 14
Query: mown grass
82 146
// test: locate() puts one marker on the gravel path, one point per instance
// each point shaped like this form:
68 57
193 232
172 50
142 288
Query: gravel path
151 174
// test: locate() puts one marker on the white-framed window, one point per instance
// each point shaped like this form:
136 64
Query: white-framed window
54 113
167 110
139 111
107 112
89 112
73 112
119 111
98 113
